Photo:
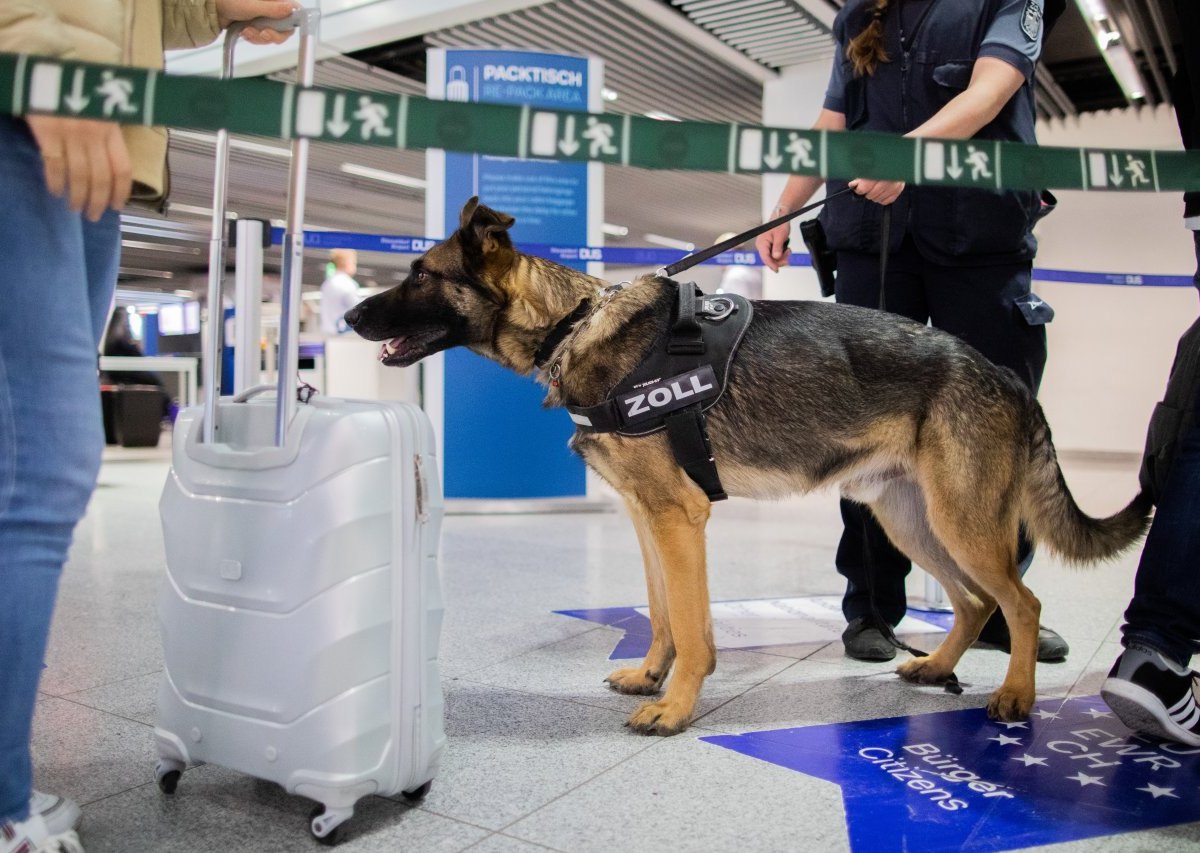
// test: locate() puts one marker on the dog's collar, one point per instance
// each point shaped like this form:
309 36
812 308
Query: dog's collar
559 333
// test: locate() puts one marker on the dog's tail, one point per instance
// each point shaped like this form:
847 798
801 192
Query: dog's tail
1052 516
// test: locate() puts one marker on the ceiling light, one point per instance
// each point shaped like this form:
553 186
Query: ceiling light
669 242
661 116
192 209
615 230
160 247
143 273
1112 47
239 144
384 177
608 94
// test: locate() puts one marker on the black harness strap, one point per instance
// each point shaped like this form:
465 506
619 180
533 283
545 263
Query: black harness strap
693 451
686 428
687 338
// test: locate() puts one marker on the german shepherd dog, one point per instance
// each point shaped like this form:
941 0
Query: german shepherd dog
951 453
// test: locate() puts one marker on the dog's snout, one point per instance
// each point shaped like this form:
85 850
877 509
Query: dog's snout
353 316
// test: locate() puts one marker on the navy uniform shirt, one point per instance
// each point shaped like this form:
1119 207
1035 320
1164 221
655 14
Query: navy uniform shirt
932 47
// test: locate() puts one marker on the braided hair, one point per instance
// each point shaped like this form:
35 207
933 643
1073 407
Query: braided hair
866 50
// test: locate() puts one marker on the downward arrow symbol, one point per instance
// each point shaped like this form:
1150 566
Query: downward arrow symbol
568 144
773 159
1116 175
954 170
338 126
76 102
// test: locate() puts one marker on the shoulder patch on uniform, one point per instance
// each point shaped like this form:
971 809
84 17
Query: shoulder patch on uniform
1031 20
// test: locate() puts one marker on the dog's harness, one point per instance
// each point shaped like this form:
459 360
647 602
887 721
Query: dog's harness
683 376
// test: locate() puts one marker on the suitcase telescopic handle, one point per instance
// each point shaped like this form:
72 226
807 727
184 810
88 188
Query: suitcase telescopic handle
307 20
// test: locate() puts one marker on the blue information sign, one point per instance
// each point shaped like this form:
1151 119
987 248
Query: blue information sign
499 441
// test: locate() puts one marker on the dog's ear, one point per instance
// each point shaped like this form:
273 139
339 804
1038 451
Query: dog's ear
464 218
483 226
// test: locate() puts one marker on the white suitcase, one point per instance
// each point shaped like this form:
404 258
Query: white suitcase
301 609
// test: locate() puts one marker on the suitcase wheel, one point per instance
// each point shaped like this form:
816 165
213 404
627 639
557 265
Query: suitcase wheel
169 782
417 793
167 773
325 826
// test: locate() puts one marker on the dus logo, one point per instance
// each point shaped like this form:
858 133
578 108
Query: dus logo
420 245
586 254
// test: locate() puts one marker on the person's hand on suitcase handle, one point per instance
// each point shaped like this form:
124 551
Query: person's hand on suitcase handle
261 21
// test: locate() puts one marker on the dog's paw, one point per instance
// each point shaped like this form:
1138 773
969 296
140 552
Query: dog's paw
659 718
635 680
922 671
1010 706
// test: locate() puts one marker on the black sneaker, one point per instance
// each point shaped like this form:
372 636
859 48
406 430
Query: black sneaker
1052 648
864 641
1155 696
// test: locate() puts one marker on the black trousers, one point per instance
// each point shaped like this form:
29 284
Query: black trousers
978 304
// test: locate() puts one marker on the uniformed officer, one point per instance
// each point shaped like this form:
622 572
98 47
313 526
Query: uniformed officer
960 259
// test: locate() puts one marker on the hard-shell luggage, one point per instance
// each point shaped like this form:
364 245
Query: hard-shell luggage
301 609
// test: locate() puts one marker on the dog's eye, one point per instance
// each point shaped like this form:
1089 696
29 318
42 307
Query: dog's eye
420 277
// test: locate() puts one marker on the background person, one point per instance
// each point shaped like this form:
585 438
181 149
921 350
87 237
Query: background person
738 278
1150 686
119 341
339 291
63 181
960 259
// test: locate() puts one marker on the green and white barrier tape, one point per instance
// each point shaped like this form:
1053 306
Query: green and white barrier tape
284 111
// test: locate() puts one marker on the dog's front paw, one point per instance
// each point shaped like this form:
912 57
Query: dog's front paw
659 718
635 680
922 671
1010 706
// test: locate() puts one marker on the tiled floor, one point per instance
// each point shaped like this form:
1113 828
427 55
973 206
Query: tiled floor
538 757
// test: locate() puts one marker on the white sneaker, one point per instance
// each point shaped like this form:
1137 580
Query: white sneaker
32 836
61 815
1154 696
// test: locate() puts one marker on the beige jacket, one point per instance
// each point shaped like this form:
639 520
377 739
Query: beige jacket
120 32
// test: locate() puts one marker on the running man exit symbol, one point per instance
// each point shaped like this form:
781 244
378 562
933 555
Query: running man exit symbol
944 160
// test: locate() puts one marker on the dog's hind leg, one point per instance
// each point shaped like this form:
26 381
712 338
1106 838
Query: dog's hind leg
675 512
902 513
986 549
648 678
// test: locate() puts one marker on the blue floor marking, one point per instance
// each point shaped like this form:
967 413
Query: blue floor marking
955 780
636 641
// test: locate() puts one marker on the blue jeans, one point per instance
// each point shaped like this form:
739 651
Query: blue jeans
57 276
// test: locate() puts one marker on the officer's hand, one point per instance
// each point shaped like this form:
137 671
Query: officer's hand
85 160
880 192
230 11
772 246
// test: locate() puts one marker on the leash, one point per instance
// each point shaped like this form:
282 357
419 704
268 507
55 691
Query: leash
951 684
885 239
689 261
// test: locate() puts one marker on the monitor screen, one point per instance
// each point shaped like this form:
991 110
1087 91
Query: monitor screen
191 318
170 319
135 324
